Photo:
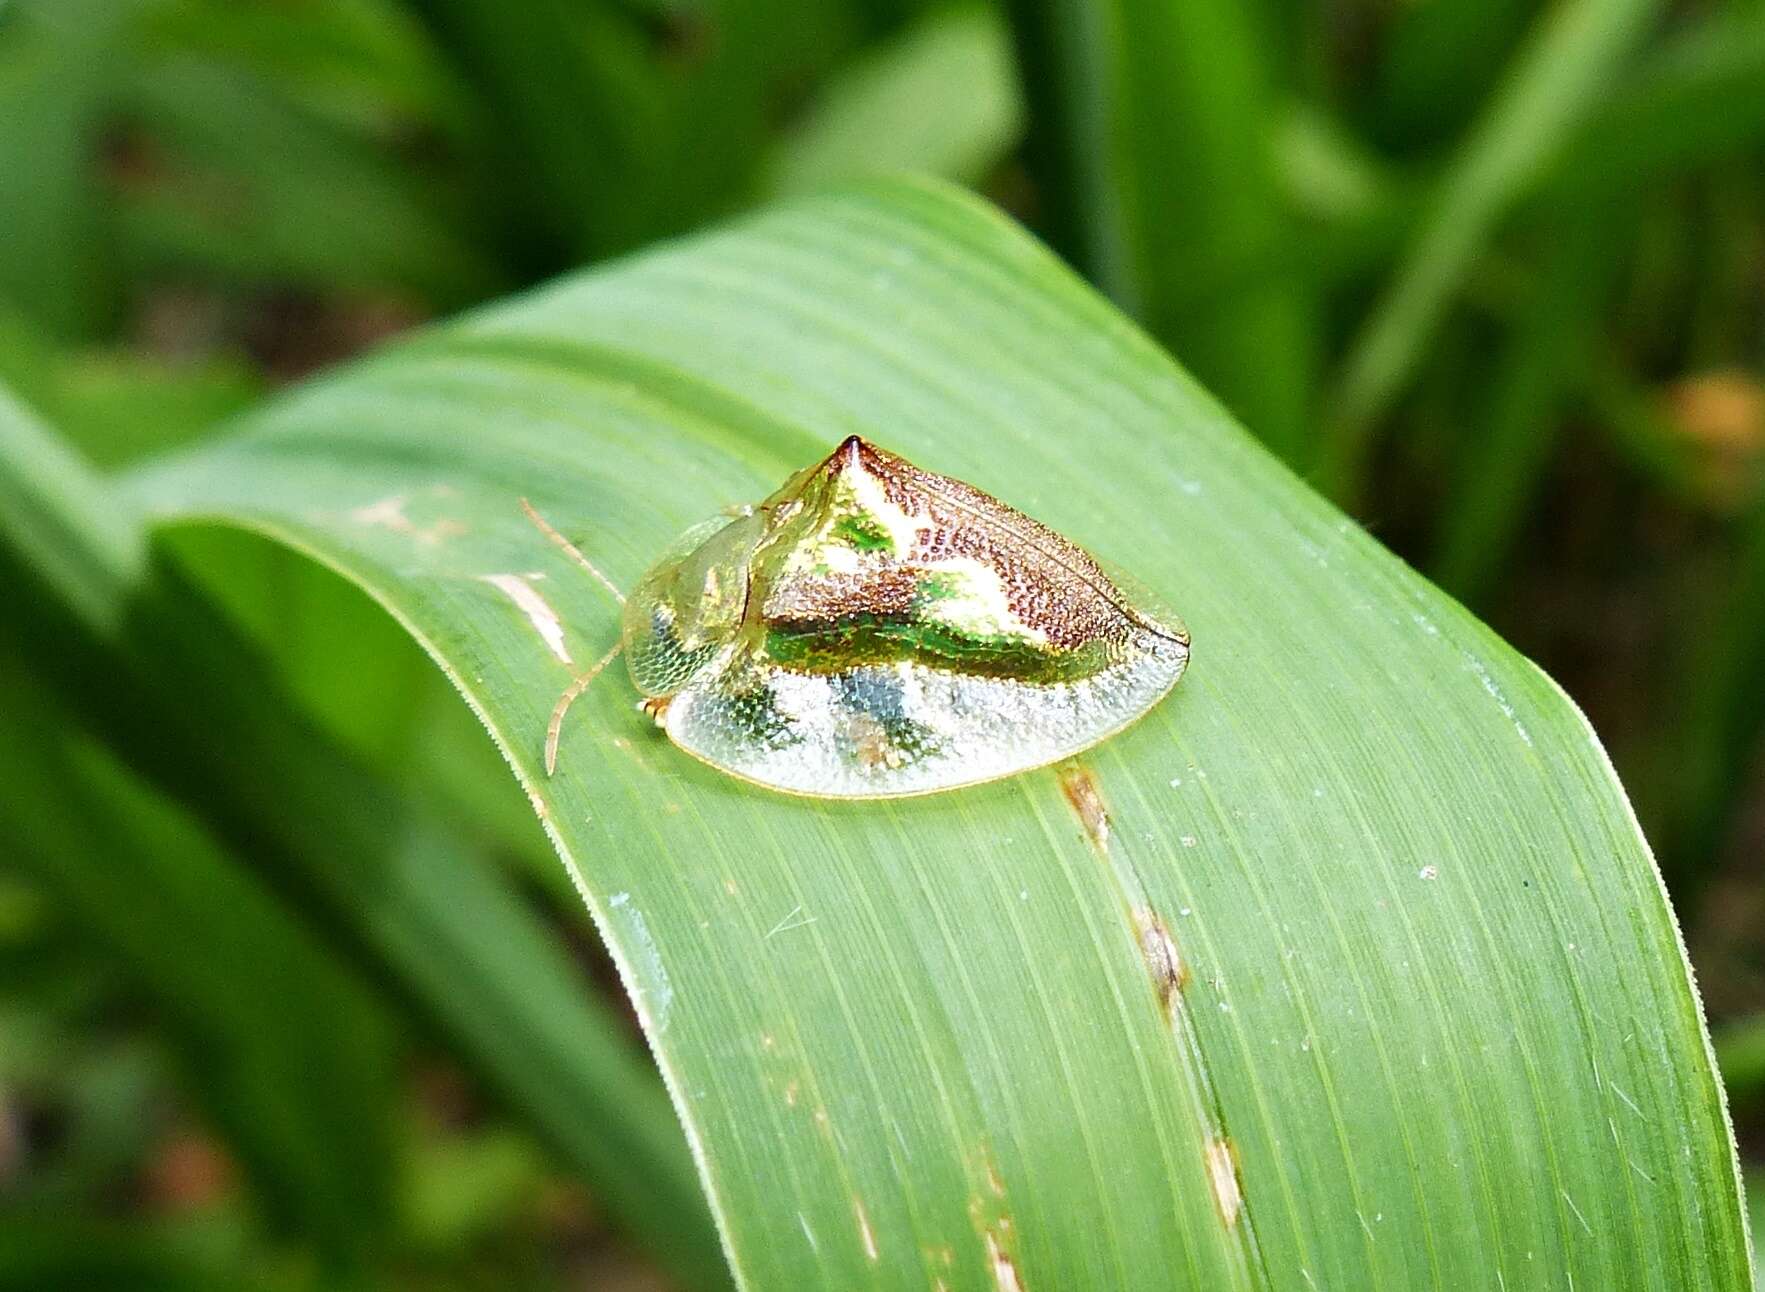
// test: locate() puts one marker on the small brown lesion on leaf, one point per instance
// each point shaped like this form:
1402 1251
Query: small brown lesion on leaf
983 1169
1086 801
389 513
1003 1266
1221 1159
994 1182
1170 975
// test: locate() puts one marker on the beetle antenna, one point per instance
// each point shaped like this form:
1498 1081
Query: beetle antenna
575 554
555 727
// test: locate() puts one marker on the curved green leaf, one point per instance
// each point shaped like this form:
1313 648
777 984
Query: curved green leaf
102 620
1433 1026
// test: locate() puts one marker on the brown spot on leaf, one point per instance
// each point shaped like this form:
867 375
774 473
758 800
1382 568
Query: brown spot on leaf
1086 801
1169 974
1222 1175
388 513
1004 1268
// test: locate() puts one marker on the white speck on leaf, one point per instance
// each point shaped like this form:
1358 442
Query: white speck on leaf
388 513
1495 693
1428 872
1577 1212
791 921
864 1231
1628 1101
539 613
652 992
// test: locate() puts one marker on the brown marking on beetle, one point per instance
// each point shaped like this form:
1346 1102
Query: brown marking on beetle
871 744
1082 794
1222 1174
655 708
1170 975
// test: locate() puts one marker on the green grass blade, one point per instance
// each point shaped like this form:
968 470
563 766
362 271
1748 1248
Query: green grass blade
116 405
1721 709
1740 1050
577 108
288 1053
1437 62
940 99
58 59
1695 101
116 633
1553 85
1533 376
1151 132
53 1250
1434 999
251 186
1699 98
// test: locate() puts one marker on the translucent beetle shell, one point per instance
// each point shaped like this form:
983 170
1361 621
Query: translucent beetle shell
873 629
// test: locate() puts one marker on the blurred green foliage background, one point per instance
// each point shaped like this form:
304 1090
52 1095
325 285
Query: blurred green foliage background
1490 272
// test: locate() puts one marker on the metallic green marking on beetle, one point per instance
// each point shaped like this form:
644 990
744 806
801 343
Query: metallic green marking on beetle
874 629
